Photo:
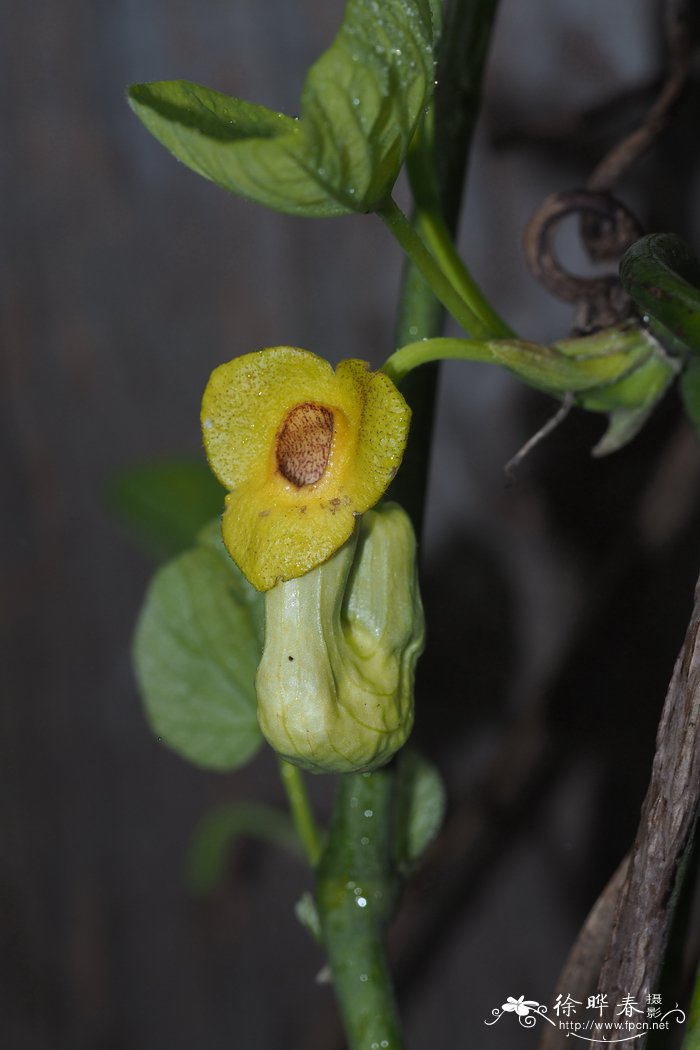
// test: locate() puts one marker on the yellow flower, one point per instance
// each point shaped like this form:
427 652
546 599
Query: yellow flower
303 451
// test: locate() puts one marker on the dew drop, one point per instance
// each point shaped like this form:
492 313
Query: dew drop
361 902
364 977
369 813
208 424
364 841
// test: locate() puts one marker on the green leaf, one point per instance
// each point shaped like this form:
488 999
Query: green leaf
641 388
197 646
630 401
217 834
360 104
690 393
623 425
662 276
420 806
166 504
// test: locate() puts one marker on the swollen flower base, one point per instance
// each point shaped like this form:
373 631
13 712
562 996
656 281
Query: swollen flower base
303 450
335 683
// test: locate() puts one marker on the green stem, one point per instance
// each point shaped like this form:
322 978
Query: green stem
402 362
356 893
358 853
437 237
441 286
302 814
439 160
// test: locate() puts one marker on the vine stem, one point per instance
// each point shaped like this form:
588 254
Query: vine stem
432 272
437 237
402 362
356 892
302 813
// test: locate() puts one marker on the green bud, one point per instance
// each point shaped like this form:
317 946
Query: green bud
335 683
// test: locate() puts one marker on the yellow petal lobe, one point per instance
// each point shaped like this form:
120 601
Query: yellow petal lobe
303 449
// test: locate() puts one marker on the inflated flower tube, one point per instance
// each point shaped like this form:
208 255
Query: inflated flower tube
335 683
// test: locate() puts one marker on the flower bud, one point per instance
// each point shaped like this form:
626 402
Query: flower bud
335 683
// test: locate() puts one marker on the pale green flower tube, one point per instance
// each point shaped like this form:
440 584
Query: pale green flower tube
335 683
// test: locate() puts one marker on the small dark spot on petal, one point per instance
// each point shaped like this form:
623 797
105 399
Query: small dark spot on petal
290 657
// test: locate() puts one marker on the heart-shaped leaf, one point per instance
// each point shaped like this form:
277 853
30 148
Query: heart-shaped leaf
197 646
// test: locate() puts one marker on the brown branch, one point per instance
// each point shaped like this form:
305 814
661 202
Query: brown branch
643 917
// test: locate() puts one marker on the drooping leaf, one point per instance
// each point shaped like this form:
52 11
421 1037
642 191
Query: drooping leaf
196 649
420 806
218 832
360 105
166 504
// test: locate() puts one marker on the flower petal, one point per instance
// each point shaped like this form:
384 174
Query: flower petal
271 540
303 450
246 401
382 432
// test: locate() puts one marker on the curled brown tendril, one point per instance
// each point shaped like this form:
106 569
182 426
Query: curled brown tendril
600 300
607 228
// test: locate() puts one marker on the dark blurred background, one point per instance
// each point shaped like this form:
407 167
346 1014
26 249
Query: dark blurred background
556 603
